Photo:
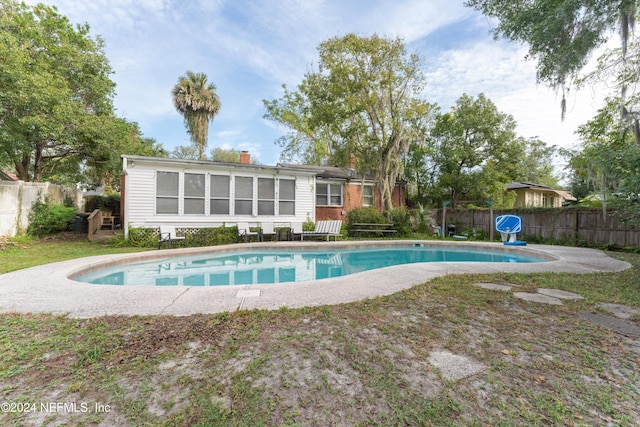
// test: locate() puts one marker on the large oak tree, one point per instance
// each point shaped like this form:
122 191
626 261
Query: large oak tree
363 100
476 149
56 114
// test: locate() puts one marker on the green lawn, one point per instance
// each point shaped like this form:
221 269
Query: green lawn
365 363
26 252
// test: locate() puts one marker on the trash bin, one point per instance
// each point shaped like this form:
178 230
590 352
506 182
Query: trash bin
81 223
451 230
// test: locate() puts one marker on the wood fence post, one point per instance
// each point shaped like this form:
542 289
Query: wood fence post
576 226
490 222
444 218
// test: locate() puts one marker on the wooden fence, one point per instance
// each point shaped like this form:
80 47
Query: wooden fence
574 225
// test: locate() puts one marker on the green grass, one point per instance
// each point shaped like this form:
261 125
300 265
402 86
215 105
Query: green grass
26 252
361 364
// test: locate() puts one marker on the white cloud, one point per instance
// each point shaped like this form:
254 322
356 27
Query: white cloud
249 48
500 72
413 19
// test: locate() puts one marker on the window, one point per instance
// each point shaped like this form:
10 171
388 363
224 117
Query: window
537 199
533 199
548 200
185 193
167 192
244 195
266 196
335 191
219 195
287 197
329 195
367 195
194 194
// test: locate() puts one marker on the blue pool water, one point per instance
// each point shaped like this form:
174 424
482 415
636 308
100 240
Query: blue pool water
265 266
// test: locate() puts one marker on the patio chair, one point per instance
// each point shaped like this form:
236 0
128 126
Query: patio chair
244 232
168 235
296 230
266 228
328 228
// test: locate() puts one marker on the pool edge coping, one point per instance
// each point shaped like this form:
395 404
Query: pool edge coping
47 289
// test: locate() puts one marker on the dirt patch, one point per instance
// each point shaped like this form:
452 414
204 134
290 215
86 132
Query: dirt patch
6 244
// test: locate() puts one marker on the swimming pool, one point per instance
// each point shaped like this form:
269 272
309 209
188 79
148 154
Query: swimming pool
275 265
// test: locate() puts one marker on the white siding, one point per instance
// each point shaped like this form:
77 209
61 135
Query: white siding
140 193
139 196
306 198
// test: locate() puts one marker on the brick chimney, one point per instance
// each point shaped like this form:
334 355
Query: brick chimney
245 158
352 161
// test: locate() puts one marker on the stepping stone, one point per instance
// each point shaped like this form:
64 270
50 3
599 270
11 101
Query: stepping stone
619 310
546 299
494 286
559 294
613 323
454 367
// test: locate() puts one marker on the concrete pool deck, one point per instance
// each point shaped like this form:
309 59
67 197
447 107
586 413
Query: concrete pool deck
48 289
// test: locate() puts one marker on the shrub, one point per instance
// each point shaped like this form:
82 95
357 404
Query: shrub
46 218
308 225
368 215
475 234
420 219
218 235
148 237
143 237
110 203
400 217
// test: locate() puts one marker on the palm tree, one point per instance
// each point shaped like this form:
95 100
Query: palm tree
198 103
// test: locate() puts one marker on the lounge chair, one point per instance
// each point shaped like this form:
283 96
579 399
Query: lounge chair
168 235
244 232
334 260
329 228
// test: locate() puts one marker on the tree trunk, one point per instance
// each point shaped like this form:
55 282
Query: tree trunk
37 166
22 169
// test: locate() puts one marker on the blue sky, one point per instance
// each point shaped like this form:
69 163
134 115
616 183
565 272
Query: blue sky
250 48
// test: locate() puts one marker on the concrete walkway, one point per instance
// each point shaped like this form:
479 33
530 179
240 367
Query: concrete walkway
48 288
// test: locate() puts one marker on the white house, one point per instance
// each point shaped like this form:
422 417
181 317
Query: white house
193 193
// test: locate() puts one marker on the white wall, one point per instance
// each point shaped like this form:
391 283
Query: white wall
140 193
17 197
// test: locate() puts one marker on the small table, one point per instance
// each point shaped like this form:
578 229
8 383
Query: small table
361 227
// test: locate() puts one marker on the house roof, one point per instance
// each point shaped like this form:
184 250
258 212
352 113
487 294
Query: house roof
323 172
8 176
566 195
528 185
327 172
517 185
208 164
